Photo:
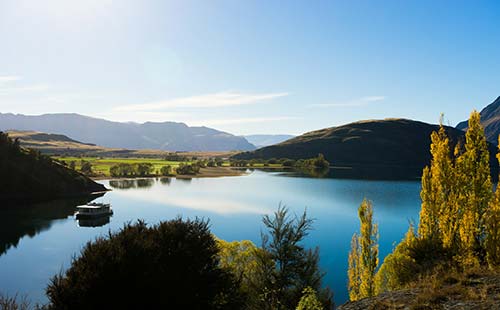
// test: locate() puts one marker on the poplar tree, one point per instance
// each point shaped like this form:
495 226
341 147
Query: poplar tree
474 167
438 211
353 272
363 258
492 242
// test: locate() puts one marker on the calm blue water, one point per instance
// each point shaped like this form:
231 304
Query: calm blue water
38 242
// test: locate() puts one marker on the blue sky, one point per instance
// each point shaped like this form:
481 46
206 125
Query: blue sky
250 66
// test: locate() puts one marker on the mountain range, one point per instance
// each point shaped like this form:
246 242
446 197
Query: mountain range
373 149
169 136
490 119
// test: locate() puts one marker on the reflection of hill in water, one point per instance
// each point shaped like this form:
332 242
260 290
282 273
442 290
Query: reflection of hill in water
19 221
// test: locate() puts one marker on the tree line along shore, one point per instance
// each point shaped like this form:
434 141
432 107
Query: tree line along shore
178 166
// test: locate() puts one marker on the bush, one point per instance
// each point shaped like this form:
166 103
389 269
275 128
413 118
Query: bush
165 170
288 163
130 170
172 265
188 169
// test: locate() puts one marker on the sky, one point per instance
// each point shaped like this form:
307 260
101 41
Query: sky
250 67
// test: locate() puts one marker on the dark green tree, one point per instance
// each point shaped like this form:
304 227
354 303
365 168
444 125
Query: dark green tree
172 265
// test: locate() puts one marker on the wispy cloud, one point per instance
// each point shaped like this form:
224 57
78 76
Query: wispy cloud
247 120
37 87
353 103
13 87
9 78
220 99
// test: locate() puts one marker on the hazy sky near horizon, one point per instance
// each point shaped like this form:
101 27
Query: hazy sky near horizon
250 67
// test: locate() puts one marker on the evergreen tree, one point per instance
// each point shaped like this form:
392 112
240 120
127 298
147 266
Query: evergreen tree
363 259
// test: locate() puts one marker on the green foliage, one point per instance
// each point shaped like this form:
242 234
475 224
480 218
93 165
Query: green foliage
166 170
239 163
288 163
309 300
86 167
172 265
363 258
131 170
187 169
293 267
175 157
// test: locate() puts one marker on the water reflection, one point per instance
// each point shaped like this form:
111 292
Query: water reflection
29 220
131 183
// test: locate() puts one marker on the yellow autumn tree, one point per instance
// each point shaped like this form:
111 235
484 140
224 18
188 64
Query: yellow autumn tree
363 258
353 272
437 192
473 166
492 222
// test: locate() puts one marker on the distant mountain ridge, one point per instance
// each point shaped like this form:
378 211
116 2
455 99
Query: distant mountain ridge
169 136
266 140
373 149
490 119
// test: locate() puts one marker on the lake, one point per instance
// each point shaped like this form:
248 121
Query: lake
39 241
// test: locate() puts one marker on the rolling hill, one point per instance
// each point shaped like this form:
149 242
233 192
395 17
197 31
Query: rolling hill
490 119
28 176
169 136
374 149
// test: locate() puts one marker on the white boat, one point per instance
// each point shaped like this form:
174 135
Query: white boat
93 210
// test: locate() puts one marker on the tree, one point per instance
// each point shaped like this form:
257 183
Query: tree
492 222
144 169
309 300
241 258
172 265
166 170
294 268
492 242
438 215
353 271
72 165
476 190
363 258
86 167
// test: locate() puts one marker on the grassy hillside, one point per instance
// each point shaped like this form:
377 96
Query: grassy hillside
29 176
384 149
61 145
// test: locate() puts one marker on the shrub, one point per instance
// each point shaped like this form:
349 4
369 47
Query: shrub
172 265
165 170
188 169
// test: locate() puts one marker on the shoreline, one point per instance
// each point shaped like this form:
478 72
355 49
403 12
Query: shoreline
207 172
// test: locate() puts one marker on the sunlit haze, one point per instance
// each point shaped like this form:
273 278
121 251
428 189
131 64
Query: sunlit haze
249 67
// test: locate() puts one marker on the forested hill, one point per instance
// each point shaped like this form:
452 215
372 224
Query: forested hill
28 176
385 149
